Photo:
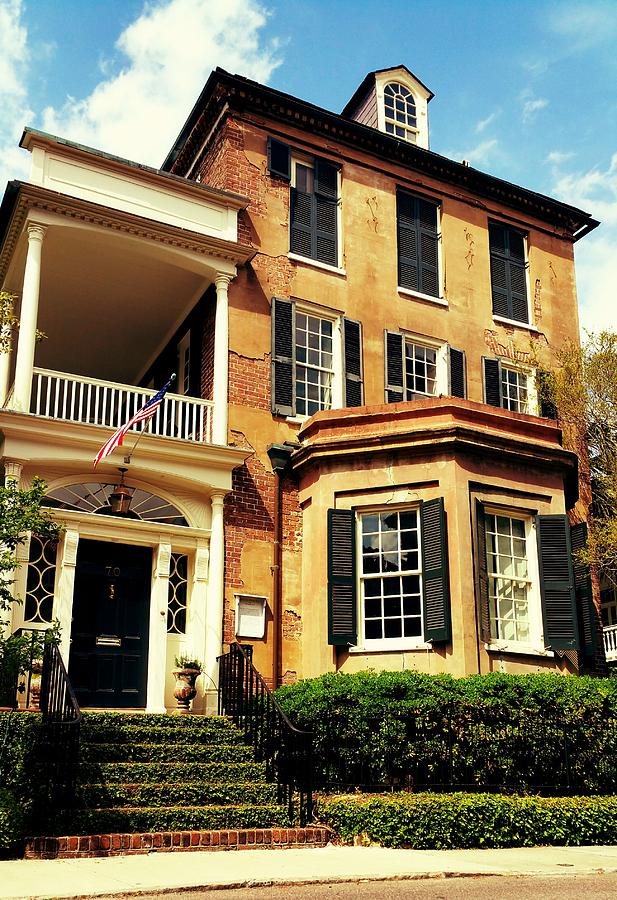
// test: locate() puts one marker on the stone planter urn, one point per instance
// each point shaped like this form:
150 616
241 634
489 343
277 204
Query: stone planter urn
185 689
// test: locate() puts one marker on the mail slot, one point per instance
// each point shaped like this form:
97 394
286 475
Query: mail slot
108 642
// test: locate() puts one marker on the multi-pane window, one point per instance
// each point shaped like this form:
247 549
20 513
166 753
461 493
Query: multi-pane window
508 578
400 111
39 600
390 576
514 394
508 272
608 600
314 367
420 370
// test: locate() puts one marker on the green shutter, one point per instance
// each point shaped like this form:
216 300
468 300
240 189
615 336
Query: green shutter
435 578
283 345
341 577
584 592
457 373
352 345
394 366
279 159
492 381
557 583
482 574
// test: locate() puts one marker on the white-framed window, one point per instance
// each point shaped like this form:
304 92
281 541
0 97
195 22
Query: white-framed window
425 368
608 600
417 366
390 577
513 579
510 386
400 116
514 389
315 362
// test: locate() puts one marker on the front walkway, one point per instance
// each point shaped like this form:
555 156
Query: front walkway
156 872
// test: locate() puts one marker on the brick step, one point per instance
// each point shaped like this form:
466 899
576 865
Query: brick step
181 794
167 772
149 752
116 844
174 818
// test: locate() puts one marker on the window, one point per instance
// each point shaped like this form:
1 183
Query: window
316 360
508 272
41 578
387 570
510 387
314 202
418 368
418 245
510 587
608 599
400 112
177 597
184 365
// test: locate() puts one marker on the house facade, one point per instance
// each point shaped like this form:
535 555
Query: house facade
352 469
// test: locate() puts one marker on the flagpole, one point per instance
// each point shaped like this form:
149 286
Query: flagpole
127 459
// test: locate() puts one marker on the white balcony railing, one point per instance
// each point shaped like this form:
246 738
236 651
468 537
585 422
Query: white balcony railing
73 398
610 643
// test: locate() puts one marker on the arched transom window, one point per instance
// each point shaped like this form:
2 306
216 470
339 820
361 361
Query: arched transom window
93 497
400 111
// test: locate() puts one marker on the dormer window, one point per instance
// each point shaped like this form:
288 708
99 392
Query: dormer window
400 112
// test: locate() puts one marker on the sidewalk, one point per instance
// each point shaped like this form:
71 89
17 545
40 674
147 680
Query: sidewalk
149 873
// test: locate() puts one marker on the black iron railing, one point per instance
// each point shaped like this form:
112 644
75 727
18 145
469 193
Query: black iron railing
61 724
288 752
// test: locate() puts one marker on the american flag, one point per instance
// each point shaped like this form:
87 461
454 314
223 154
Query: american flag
142 415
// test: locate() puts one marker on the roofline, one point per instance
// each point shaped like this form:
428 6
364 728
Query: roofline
362 89
242 92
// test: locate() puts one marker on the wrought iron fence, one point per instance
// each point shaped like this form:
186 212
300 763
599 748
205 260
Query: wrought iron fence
61 723
468 748
287 751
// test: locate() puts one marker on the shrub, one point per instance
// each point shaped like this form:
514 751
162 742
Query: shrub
444 821
11 820
20 771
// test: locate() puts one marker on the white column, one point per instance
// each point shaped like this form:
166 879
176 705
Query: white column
197 612
5 362
66 561
157 639
216 595
28 319
221 360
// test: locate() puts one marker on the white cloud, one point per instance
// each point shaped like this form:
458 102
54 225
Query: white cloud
531 107
584 25
14 59
484 123
163 59
478 155
558 158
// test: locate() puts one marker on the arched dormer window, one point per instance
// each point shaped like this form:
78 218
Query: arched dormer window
400 111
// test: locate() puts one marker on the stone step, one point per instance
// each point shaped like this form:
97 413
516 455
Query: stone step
171 794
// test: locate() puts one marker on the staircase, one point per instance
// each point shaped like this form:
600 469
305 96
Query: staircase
149 782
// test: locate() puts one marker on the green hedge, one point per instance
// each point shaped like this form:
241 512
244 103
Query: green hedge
20 774
445 821
400 728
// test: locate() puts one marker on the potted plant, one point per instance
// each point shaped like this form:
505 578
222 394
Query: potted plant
186 673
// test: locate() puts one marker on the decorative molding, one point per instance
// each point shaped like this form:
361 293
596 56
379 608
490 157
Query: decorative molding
202 562
163 561
12 471
71 543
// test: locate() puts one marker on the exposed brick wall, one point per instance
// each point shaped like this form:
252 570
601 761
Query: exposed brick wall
207 345
249 381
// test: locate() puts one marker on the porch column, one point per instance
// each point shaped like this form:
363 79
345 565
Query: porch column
28 319
66 562
221 360
157 639
216 595
197 618
6 336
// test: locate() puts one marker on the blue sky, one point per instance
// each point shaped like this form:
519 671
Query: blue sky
524 90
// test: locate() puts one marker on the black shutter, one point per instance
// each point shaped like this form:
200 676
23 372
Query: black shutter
394 366
418 244
302 221
492 381
508 272
325 247
429 248
279 159
457 373
584 593
352 343
341 577
482 571
283 344
557 583
435 581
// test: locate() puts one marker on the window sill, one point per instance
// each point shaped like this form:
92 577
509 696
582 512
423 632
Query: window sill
440 301
393 646
334 270
518 648
526 325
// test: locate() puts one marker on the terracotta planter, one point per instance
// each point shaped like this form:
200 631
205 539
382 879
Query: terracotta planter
185 689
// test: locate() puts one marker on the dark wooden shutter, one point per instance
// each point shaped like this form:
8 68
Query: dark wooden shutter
394 366
435 580
279 159
508 272
584 593
482 574
352 343
557 583
429 248
302 222
283 344
457 373
492 381
326 211
341 577
418 244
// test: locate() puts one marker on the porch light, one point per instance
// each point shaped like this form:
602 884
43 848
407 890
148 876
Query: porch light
121 496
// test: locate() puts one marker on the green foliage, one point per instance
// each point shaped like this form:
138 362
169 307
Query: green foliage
188 662
20 772
444 821
11 820
376 728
